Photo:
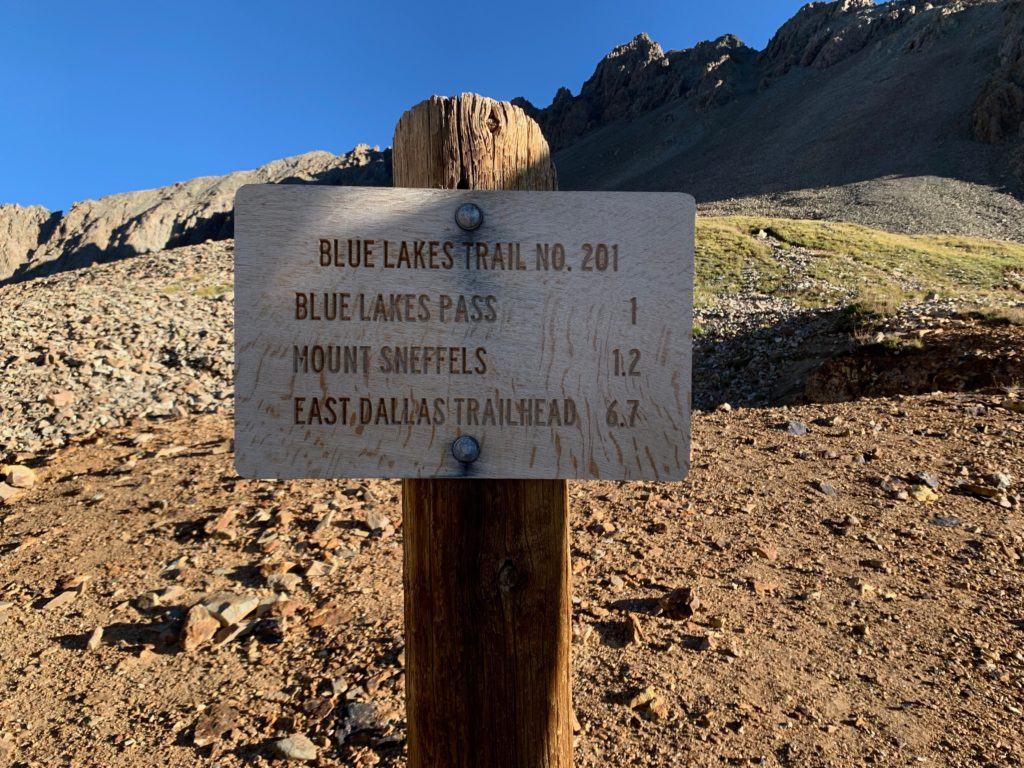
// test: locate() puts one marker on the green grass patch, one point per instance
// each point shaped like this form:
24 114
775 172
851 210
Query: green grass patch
197 284
1000 315
723 251
216 289
853 264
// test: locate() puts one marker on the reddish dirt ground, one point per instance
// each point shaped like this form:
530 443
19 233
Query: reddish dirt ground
845 613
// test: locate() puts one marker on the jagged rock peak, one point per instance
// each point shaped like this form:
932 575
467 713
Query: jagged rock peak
639 76
846 6
822 34
999 113
641 47
617 70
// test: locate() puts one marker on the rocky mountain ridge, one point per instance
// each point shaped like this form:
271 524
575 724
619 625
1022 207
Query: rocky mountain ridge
902 116
35 242
639 76
999 114
905 116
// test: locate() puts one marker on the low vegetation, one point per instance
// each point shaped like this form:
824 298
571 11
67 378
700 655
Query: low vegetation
200 285
724 253
819 263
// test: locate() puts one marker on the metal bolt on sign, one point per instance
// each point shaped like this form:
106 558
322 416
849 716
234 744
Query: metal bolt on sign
476 534
469 216
466 449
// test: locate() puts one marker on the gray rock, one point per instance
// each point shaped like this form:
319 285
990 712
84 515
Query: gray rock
295 747
358 724
230 609
284 582
21 232
797 428
826 487
999 480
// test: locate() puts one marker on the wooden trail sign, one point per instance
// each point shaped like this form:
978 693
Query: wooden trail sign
373 330
566 356
486 570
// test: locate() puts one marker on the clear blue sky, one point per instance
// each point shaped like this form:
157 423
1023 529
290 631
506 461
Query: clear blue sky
103 96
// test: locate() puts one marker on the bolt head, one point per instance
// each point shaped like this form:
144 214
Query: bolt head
469 216
466 449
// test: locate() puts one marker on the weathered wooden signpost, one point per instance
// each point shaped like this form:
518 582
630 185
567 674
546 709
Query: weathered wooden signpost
484 345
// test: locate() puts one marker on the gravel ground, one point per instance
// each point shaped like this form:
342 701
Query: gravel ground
857 566
910 205
152 336
844 612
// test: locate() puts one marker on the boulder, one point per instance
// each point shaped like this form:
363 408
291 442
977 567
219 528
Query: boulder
999 113
21 232
19 476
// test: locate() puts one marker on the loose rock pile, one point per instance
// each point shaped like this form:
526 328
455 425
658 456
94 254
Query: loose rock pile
151 337
95 348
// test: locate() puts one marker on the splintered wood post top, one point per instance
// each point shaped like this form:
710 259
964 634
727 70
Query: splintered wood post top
471 142
486 566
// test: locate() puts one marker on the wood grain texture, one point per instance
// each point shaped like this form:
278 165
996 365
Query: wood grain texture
486 567
487 623
471 142
562 337
558 349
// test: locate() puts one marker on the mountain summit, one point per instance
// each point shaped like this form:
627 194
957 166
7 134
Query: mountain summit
905 116
901 115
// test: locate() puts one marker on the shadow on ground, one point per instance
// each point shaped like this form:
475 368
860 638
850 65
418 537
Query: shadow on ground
816 357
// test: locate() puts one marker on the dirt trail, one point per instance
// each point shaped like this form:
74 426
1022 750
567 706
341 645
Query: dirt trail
845 612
